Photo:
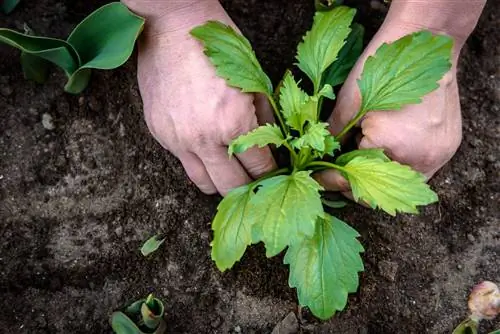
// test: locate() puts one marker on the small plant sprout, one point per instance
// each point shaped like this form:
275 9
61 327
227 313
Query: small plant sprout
145 316
284 209
151 245
103 40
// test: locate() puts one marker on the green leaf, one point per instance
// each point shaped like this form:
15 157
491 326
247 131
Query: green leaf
387 185
34 68
104 40
334 204
261 136
404 71
232 227
151 245
122 324
9 5
369 153
54 50
337 72
331 145
314 137
468 326
323 42
233 57
293 103
285 209
324 268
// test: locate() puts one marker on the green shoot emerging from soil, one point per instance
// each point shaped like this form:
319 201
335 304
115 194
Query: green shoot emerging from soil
284 209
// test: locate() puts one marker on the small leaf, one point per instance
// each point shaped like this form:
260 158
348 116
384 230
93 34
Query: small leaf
331 145
369 153
152 311
323 42
324 268
314 137
327 91
261 136
104 40
337 73
387 185
334 204
293 102
402 72
151 245
232 227
51 49
285 209
233 57
122 324
9 5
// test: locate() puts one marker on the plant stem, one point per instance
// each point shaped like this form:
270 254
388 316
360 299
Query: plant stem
282 123
292 152
351 123
325 164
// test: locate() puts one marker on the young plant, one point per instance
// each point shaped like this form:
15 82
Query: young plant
284 209
103 40
144 316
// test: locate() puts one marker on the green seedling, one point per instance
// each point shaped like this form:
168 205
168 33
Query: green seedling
484 304
284 209
145 316
103 40
8 5
151 245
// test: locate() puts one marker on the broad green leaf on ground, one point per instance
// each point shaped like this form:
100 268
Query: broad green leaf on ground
233 57
232 227
8 5
285 210
369 153
323 42
324 268
337 72
292 100
387 185
314 137
404 71
261 136
151 245
104 40
54 50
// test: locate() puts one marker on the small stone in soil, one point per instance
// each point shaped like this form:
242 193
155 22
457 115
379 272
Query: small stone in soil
47 122
289 325
388 270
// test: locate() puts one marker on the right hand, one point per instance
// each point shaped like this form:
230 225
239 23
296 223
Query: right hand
193 113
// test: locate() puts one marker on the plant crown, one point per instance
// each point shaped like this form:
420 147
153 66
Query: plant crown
284 209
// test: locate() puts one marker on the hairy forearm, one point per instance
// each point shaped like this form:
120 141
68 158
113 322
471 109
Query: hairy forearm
455 18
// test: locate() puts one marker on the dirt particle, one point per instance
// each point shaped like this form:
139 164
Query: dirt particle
48 122
289 325
388 270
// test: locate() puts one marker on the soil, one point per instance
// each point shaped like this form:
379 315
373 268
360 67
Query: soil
81 191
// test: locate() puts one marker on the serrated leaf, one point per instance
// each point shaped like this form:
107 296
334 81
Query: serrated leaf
324 268
261 136
151 245
387 185
369 153
402 72
314 137
331 145
233 57
337 72
232 227
292 101
323 42
285 209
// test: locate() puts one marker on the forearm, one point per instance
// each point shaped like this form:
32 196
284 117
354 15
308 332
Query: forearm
454 18
168 16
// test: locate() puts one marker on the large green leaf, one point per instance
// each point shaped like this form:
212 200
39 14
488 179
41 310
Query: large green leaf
261 136
370 153
8 5
404 71
232 227
104 40
285 209
323 42
54 50
324 268
233 57
337 72
387 185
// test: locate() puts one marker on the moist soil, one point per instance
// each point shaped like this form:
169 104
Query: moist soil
81 191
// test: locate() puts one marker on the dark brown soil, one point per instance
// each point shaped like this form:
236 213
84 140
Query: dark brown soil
76 202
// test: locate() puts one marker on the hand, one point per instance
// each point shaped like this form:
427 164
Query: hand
424 136
193 113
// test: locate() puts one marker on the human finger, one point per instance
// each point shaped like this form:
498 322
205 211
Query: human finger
197 173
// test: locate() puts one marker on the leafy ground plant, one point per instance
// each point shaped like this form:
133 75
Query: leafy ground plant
144 316
284 209
103 40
